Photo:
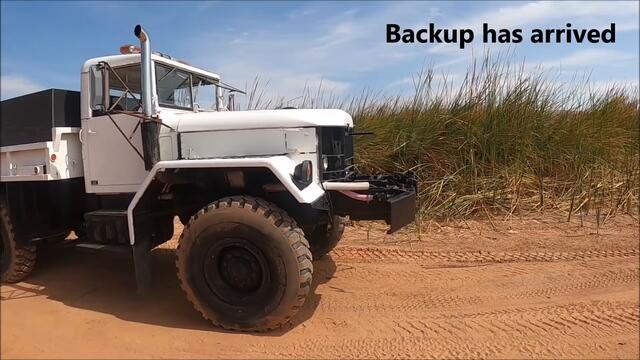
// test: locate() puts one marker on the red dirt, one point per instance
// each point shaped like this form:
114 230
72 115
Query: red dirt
517 288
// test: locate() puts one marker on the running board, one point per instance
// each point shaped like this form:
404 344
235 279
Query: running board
118 249
140 253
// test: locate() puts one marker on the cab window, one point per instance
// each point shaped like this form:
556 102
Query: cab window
124 88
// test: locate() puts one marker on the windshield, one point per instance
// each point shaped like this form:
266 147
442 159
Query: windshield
204 93
174 87
183 90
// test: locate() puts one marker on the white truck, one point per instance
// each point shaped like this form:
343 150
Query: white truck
149 138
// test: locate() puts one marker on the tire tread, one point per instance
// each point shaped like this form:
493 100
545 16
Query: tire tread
23 257
287 226
322 241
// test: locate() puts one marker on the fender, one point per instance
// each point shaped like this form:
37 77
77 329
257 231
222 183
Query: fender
281 166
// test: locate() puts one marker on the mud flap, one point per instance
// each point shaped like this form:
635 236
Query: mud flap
142 263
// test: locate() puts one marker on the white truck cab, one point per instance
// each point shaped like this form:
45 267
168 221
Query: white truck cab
149 138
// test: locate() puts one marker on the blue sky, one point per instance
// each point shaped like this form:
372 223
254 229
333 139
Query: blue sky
296 44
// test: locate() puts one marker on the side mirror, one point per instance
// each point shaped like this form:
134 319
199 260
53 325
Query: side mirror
99 87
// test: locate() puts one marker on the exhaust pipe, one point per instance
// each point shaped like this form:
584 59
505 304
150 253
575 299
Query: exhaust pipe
150 129
145 67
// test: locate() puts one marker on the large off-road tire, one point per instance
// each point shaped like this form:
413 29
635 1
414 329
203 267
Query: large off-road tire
325 237
244 264
17 261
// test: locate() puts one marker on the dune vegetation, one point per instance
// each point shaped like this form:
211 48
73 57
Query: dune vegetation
500 139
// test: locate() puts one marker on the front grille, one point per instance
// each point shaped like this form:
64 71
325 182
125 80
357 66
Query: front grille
336 146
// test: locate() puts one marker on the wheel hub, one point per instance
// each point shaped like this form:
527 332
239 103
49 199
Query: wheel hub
236 271
240 269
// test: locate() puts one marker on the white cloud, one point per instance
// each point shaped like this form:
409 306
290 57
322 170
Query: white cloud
592 58
407 80
314 82
345 45
302 13
346 48
16 85
547 11
605 85
435 13
581 14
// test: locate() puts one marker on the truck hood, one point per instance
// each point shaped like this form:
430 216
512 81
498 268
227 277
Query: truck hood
254 119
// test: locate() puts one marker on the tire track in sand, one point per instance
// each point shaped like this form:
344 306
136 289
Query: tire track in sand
382 254
423 291
573 320
412 347
567 330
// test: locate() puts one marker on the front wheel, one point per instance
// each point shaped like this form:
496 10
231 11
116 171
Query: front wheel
244 264
325 237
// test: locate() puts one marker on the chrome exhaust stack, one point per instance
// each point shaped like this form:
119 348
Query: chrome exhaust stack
150 127
145 67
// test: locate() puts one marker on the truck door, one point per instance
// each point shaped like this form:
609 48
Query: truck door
111 139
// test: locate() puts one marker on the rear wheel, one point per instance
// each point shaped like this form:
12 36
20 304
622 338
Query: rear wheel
244 264
325 237
17 260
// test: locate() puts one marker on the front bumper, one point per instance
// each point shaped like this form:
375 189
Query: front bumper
391 198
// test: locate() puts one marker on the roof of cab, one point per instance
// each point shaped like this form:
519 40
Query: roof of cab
126 59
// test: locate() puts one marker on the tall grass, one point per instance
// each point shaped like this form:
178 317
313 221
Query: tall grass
502 139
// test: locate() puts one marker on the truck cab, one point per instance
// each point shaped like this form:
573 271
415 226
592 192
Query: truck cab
149 139
110 99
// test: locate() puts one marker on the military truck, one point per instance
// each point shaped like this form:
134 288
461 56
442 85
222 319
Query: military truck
149 138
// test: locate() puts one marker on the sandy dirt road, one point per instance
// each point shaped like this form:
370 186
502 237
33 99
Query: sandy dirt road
535 288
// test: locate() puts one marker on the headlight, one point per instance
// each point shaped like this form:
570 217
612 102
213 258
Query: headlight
303 172
325 163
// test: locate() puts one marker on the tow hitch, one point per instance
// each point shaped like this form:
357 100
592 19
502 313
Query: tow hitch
391 198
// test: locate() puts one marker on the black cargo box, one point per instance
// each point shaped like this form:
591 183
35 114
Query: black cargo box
29 118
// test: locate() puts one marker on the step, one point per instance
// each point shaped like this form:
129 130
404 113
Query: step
108 227
119 249
105 213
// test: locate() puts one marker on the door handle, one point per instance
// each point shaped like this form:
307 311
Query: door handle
91 131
